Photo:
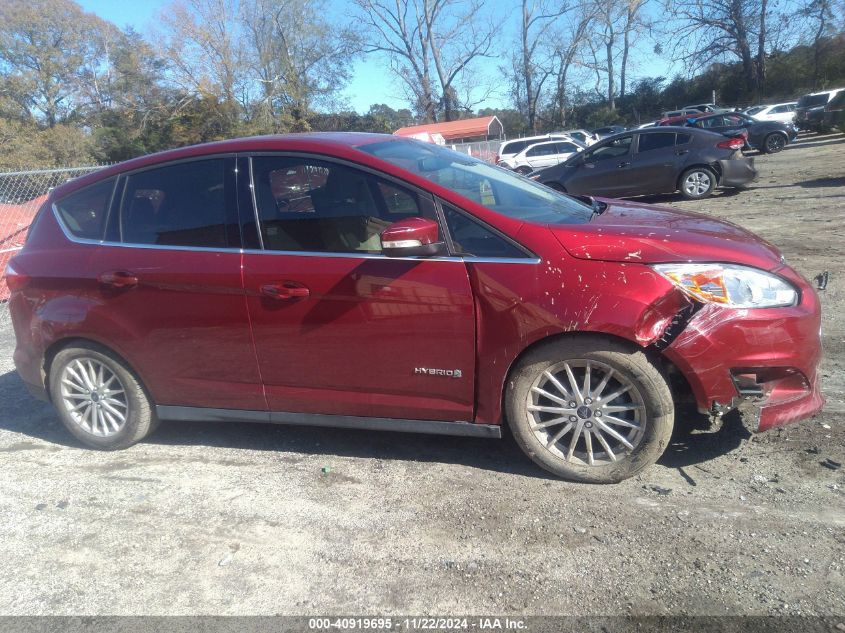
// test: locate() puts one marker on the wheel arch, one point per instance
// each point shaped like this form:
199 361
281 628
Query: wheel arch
71 341
678 382
713 167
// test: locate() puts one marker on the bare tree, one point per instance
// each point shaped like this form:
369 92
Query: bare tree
716 30
202 44
819 15
430 44
296 58
616 22
633 24
569 41
533 63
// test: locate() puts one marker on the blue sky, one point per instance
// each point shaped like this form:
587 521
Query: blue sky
370 79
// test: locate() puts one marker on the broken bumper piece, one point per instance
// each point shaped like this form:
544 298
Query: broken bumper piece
764 360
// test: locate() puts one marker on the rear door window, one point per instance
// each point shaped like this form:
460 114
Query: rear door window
84 212
177 205
656 140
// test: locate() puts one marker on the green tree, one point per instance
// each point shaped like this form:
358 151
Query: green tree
51 51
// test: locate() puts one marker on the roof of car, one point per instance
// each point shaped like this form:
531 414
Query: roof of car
338 143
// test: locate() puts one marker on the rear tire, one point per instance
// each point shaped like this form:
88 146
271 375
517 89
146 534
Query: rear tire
607 437
697 183
99 399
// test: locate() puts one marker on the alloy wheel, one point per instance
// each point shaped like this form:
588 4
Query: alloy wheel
586 412
697 183
775 143
94 397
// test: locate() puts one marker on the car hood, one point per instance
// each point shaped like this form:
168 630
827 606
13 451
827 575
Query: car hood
634 232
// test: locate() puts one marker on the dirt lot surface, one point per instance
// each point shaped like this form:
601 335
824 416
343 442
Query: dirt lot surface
228 519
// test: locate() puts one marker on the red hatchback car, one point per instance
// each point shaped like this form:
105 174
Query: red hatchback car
376 282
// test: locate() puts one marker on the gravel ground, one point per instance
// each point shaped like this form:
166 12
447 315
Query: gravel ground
241 519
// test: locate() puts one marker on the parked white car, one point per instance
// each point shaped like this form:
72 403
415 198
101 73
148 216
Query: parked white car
782 112
509 149
542 155
582 136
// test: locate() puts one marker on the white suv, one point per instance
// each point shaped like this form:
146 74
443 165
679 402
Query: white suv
582 136
781 112
542 155
509 149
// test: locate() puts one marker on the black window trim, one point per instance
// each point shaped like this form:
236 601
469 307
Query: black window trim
441 220
530 258
120 181
655 132
63 226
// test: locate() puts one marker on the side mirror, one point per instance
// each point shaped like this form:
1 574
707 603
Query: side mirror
414 237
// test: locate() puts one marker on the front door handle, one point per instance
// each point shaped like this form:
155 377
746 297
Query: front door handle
118 279
624 164
285 291
681 152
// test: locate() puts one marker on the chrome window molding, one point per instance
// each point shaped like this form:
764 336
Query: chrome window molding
251 251
530 257
122 177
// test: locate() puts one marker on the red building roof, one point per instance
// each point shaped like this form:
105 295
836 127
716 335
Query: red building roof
454 130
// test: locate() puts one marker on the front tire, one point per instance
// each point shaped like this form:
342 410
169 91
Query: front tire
774 143
622 419
99 399
697 183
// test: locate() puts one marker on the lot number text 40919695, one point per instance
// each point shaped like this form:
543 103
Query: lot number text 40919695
417 624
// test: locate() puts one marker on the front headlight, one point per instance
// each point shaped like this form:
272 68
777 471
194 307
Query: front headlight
730 285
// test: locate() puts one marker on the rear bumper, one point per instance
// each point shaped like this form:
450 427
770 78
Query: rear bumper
764 359
737 172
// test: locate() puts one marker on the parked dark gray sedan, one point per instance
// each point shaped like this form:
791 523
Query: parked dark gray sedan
767 136
653 160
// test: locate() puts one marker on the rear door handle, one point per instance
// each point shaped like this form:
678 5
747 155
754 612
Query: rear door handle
681 152
118 279
624 164
285 291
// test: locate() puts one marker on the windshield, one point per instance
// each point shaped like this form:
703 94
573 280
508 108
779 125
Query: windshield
495 188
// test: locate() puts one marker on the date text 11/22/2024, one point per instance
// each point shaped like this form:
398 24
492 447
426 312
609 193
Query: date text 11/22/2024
418 624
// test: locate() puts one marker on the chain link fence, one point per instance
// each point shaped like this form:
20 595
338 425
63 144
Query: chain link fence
485 150
21 195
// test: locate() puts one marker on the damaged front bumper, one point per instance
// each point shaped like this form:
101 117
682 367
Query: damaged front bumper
763 360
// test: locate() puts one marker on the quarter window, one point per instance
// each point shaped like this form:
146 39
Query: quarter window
310 205
471 239
84 212
177 205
